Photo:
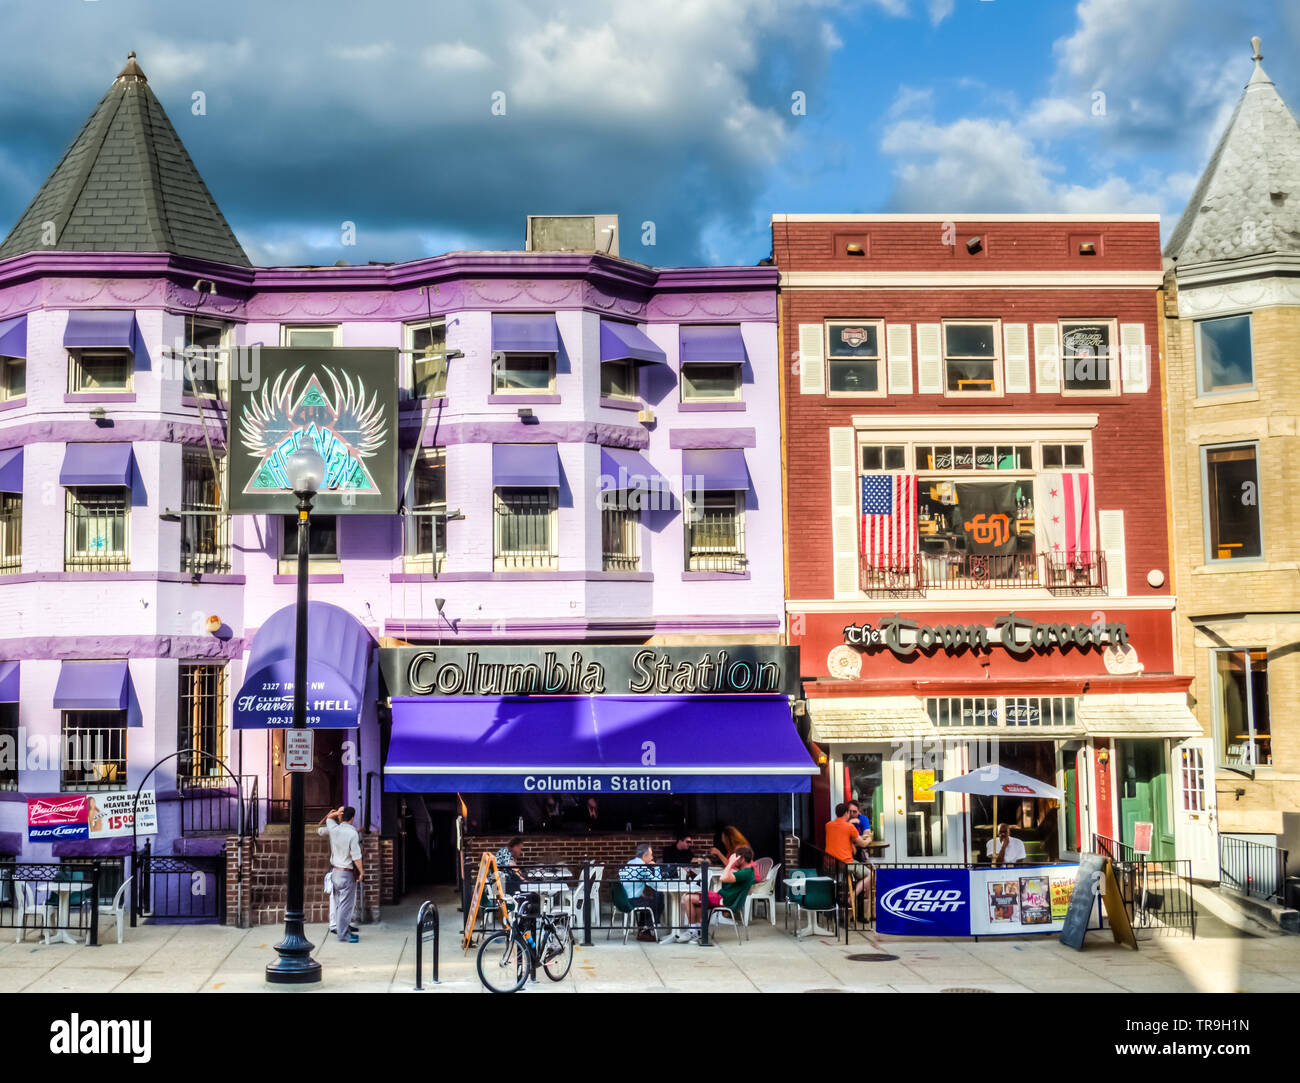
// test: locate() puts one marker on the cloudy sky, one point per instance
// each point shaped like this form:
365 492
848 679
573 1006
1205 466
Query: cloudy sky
436 126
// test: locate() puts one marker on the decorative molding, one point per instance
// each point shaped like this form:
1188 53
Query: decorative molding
62 648
515 432
1226 298
712 438
119 432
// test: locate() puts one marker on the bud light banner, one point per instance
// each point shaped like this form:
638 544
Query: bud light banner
989 901
341 401
90 816
923 902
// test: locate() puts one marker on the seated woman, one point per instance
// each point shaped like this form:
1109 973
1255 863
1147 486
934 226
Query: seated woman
732 840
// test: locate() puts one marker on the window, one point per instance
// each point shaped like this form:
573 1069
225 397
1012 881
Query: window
974 457
878 457
96 530
1233 530
863 783
853 358
9 746
322 542
1011 711
715 532
618 380
710 382
311 336
523 374
94 751
525 529
13 378
971 361
11 532
620 530
1224 361
205 528
99 370
925 819
426 344
1241 715
200 721
426 515
1089 357
204 362
1067 456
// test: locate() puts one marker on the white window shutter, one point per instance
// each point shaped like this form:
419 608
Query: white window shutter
1015 347
1047 354
812 364
929 359
898 345
1110 530
844 511
1133 351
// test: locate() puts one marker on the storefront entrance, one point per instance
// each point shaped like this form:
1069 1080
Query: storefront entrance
1143 784
323 786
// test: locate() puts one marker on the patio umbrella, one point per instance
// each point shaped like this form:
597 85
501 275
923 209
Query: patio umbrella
997 781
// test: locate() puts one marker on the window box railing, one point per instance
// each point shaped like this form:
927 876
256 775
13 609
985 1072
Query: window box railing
94 758
1084 573
11 533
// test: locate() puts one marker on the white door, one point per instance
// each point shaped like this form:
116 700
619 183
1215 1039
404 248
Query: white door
1196 835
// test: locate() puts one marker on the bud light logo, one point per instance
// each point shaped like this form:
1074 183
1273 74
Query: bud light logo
924 902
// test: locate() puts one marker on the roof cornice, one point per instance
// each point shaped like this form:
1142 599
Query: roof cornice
1227 270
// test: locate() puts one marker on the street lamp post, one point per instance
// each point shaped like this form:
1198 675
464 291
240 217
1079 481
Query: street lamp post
295 965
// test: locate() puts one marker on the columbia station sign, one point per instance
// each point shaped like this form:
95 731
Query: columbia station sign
582 670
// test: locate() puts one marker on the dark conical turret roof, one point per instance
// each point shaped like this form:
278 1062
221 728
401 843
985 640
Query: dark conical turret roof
126 184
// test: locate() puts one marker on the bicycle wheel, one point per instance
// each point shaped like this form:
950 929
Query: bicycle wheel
557 950
503 963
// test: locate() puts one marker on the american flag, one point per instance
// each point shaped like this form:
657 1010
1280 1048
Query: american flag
889 520
1064 513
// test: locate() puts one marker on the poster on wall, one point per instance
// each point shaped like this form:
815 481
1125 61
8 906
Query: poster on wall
342 401
1021 900
923 787
90 816
1035 900
1004 902
1062 890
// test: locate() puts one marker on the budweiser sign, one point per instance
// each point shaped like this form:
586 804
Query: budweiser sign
91 816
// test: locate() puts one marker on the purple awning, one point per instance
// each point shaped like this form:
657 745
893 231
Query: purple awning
13 337
627 342
622 469
9 673
712 469
525 333
531 465
712 343
339 658
90 328
11 470
93 686
97 464
596 744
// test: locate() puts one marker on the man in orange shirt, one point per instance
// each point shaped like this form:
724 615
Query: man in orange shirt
843 840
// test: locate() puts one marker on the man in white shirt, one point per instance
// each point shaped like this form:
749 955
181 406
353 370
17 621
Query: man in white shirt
345 867
1005 850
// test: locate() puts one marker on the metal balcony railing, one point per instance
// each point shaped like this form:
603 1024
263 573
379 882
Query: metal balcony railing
915 574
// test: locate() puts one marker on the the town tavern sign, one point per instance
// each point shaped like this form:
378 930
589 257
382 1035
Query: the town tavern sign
1019 635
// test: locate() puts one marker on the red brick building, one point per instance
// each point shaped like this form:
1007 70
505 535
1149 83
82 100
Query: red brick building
978 555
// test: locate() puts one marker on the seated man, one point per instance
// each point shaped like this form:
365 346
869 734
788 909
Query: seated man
681 852
848 846
1006 850
737 879
638 877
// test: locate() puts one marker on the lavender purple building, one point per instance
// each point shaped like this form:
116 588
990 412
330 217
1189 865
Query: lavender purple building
533 385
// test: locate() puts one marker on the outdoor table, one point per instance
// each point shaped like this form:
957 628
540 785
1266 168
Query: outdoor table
813 928
673 890
550 883
65 891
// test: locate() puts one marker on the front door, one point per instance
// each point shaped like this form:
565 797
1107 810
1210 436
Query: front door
323 786
1195 808
1143 797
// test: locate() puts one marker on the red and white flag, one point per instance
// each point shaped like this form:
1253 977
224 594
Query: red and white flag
1064 514
889 520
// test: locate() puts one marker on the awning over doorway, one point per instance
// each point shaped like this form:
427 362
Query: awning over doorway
596 744
1150 715
340 654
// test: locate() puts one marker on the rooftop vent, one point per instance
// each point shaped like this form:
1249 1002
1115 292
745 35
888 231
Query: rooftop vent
573 233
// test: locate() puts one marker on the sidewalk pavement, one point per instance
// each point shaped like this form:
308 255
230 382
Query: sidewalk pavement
210 958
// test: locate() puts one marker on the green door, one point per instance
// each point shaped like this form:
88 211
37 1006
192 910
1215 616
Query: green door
1143 795
1069 765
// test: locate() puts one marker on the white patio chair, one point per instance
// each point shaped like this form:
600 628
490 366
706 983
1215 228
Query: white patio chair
25 905
764 892
578 899
121 900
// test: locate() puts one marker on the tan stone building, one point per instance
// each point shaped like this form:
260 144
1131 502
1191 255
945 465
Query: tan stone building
1231 348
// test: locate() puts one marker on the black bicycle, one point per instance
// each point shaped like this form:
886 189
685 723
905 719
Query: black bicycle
507 959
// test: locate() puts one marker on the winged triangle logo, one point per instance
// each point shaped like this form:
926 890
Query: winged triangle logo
345 424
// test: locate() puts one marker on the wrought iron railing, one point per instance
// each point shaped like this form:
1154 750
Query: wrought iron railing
914 574
96 532
1156 893
1253 868
619 530
210 805
525 530
715 542
52 900
94 757
11 533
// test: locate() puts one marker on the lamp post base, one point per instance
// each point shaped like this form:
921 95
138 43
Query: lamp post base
295 965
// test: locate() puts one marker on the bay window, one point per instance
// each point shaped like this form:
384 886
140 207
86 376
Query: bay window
310 336
99 370
96 529
426 346
1232 523
1224 358
204 360
13 378
523 374
618 380
205 527
426 515
525 528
